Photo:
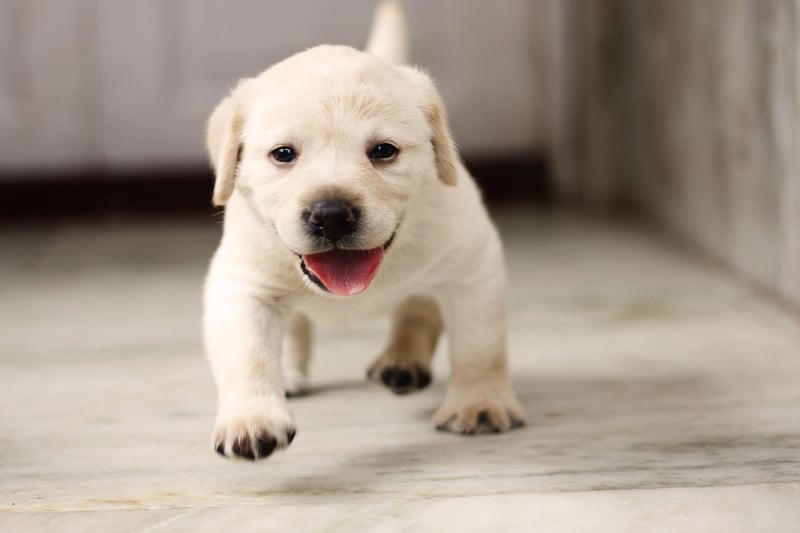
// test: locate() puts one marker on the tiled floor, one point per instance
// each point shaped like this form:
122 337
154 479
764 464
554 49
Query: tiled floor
661 396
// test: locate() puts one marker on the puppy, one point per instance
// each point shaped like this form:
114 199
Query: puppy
345 198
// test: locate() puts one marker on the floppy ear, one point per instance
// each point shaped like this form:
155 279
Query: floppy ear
224 145
443 145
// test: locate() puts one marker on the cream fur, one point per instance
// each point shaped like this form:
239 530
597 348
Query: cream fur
444 268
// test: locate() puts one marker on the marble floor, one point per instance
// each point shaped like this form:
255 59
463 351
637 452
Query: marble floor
662 395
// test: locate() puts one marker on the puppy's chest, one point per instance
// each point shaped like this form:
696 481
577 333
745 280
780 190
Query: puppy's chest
347 310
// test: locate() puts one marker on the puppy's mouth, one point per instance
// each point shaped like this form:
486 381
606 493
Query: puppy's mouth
344 272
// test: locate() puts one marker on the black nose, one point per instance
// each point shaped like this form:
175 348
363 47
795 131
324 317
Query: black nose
332 219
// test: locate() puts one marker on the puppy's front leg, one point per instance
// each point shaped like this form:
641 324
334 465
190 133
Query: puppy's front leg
243 340
296 354
479 395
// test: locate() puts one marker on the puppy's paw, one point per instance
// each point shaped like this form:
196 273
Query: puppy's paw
295 383
253 433
467 414
401 378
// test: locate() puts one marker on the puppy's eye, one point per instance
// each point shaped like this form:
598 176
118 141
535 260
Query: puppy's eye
383 152
283 154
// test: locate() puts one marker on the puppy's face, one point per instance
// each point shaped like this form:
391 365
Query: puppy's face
332 148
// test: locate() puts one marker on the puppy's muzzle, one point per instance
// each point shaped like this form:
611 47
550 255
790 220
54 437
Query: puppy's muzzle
331 219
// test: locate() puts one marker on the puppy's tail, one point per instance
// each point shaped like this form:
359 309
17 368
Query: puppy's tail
388 38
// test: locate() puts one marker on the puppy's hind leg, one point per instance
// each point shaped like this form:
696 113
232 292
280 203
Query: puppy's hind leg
405 364
296 355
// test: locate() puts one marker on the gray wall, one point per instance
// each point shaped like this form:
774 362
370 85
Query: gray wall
691 111
688 110
118 83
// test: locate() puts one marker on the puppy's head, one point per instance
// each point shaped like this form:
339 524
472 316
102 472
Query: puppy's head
331 148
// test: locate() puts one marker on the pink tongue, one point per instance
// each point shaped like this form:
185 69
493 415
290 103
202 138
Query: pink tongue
345 272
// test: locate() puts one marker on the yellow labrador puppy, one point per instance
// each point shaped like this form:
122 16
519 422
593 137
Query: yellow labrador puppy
345 197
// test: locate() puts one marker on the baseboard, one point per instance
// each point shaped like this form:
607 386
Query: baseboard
187 191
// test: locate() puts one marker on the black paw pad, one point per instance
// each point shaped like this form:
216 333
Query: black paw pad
266 444
242 448
423 377
485 424
396 378
404 380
